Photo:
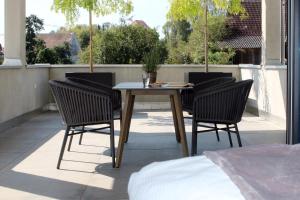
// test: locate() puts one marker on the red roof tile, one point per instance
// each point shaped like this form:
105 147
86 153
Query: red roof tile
55 39
140 23
246 32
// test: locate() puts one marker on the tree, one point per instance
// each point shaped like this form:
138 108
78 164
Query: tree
47 55
192 10
70 8
63 54
33 44
177 34
218 31
179 54
175 30
82 33
36 51
185 41
57 55
124 44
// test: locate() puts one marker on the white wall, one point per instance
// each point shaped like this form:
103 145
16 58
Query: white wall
26 89
134 72
268 94
22 91
127 73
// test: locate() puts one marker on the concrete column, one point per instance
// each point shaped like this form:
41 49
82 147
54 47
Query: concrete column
14 33
271 32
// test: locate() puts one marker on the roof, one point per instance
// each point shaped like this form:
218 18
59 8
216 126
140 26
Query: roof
243 42
140 23
245 32
55 39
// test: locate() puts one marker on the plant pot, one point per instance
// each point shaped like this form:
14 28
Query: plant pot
152 77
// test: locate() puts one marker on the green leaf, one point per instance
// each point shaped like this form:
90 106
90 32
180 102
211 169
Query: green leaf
70 8
193 9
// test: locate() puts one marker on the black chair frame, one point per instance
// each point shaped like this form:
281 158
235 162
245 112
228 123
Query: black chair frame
222 106
115 94
187 95
80 107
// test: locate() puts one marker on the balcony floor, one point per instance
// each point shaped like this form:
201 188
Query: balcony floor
29 152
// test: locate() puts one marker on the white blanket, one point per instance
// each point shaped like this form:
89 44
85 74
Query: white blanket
193 178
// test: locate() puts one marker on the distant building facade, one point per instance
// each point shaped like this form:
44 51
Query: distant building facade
140 23
58 39
246 34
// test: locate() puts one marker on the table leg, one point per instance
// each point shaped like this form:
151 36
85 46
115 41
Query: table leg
124 127
180 122
131 105
175 118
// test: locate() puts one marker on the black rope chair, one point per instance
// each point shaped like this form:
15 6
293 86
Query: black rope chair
199 77
115 94
83 106
187 95
221 106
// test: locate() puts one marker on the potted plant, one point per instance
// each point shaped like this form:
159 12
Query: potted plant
151 64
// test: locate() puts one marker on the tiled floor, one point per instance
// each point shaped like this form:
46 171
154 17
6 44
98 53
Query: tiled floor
29 152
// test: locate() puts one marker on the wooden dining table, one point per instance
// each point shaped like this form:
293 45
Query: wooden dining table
132 89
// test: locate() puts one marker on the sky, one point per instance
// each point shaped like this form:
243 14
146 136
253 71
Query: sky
153 12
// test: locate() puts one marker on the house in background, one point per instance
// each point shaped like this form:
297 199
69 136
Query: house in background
246 34
140 23
58 39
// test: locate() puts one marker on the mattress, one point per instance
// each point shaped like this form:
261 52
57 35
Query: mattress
193 178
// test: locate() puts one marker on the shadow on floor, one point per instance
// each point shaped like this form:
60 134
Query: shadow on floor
86 170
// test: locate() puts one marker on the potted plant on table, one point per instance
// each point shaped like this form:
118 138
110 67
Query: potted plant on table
151 64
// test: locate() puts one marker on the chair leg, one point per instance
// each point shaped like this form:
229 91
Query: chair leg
217 133
70 142
229 135
194 139
131 105
238 135
81 135
63 147
120 118
112 144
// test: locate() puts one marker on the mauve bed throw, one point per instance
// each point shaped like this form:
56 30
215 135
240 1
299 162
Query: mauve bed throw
267 172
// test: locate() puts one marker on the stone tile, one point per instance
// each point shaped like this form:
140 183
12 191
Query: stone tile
152 141
7 158
29 153
28 133
107 186
17 185
12 145
144 157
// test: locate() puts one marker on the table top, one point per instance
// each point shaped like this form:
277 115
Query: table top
140 86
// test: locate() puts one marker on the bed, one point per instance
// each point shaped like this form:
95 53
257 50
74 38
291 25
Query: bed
252 173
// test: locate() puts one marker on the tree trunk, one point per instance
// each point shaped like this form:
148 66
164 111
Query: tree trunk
206 38
91 42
